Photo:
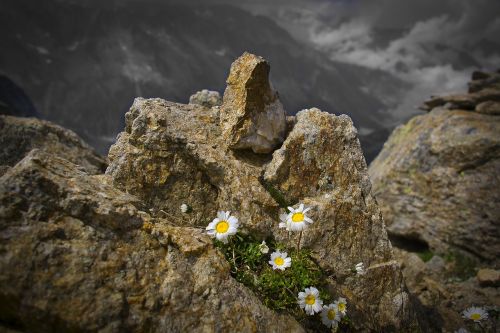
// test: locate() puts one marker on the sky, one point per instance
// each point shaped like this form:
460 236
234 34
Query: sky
431 45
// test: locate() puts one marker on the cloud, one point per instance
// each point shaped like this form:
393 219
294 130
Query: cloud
434 50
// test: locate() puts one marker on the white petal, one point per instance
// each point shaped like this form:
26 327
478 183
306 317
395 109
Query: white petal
221 215
301 208
307 209
291 210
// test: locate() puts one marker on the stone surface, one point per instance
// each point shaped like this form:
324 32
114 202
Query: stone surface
252 116
18 136
436 181
321 165
437 184
489 107
206 98
488 277
78 255
165 144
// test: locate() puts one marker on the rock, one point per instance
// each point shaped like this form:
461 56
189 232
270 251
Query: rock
165 144
78 255
436 182
488 277
18 136
252 116
484 81
321 165
462 101
206 98
172 154
489 107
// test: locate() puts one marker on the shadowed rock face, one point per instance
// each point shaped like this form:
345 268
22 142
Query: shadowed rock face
77 255
437 184
18 136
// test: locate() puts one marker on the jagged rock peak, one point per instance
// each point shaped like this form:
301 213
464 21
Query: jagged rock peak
252 115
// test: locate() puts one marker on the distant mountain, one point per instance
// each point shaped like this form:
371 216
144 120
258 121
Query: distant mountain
82 65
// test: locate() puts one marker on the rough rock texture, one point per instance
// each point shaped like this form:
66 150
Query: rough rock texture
18 136
206 98
321 164
437 181
77 255
442 295
438 186
488 277
252 115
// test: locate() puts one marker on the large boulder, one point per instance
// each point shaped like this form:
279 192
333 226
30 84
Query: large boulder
78 255
18 136
252 116
171 154
436 181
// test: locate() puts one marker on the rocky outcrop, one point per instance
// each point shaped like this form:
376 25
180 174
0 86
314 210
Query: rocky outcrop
18 136
77 255
252 116
206 98
172 154
115 253
437 184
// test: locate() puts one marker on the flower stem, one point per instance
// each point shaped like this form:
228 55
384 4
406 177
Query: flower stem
298 243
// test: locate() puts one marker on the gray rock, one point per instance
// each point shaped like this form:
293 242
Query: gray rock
489 107
18 136
206 98
488 277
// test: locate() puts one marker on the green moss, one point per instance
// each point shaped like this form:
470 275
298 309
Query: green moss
426 255
277 289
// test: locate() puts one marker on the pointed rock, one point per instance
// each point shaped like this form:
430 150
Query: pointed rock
252 116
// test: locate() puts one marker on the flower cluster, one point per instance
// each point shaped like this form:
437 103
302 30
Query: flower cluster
476 315
296 220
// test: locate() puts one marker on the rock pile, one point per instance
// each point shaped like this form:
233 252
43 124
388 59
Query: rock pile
114 252
437 183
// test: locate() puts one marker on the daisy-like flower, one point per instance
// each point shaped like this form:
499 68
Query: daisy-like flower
475 313
284 222
263 248
330 315
280 260
360 268
309 300
297 219
223 226
184 208
341 304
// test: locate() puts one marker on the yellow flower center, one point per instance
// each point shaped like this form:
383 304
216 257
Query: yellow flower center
279 261
298 217
331 314
341 307
222 227
310 299
475 316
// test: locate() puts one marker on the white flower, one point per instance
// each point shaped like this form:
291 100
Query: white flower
223 226
184 208
330 315
360 269
341 304
297 219
263 247
280 260
309 300
284 222
475 313
461 330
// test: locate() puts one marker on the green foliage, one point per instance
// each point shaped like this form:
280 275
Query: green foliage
277 289
463 266
426 255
